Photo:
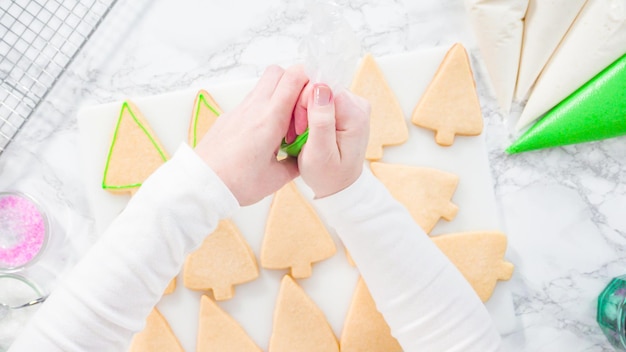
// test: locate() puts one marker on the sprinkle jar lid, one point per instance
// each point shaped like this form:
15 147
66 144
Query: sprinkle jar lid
23 230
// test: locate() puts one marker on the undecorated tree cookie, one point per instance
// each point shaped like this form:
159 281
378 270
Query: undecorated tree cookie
204 114
450 104
223 260
479 256
295 237
135 152
387 123
171 287
218 331
425 192
157 336
299 324
365 329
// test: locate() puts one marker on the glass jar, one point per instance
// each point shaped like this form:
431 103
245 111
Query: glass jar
611 314
14 291
24 231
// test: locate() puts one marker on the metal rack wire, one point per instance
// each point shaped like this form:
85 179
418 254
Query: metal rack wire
39 39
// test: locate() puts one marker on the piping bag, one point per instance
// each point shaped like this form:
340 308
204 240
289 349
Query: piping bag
331 50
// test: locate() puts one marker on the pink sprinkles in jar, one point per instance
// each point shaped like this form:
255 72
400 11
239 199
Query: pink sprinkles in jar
23 230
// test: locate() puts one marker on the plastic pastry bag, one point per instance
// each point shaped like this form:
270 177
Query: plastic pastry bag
331 50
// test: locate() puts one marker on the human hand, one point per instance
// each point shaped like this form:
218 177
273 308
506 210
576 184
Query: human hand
242 145
332 158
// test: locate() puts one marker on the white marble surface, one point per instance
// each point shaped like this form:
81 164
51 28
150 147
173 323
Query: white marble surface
563 209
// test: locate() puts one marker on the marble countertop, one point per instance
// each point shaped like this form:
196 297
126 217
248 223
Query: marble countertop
562 208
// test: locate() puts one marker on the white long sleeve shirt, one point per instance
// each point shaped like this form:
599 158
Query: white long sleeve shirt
108 295
424 299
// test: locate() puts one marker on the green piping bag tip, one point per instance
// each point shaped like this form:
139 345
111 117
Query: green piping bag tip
294 148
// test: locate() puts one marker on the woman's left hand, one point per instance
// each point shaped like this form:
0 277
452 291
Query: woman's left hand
242 145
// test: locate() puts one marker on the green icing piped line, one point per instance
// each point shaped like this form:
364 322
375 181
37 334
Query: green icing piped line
134 185
117 126
195 118
595 111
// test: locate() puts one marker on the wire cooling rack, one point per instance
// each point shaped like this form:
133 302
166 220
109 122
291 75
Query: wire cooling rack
39 39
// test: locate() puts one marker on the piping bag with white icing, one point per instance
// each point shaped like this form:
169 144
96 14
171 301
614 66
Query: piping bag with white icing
546 24
331 50
595 40
498 26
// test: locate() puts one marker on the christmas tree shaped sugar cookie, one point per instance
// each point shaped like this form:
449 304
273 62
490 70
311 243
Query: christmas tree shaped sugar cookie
365 329
204 114
425 192
224 259
387 124
299 324
157 336
218 331
450 104
135 152
171 287
595 111
479 256
295 237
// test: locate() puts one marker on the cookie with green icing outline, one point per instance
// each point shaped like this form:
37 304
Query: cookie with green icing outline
135 152
204 114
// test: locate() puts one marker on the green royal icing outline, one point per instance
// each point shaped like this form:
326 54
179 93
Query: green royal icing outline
117 126
201 98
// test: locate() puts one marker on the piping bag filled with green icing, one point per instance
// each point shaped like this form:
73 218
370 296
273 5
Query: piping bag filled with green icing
331 50
595 111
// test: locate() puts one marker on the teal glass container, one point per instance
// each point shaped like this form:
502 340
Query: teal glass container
611 315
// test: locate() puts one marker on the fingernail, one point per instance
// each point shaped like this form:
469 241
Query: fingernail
322 95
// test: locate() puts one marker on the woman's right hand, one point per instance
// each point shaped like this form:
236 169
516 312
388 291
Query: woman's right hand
332 158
